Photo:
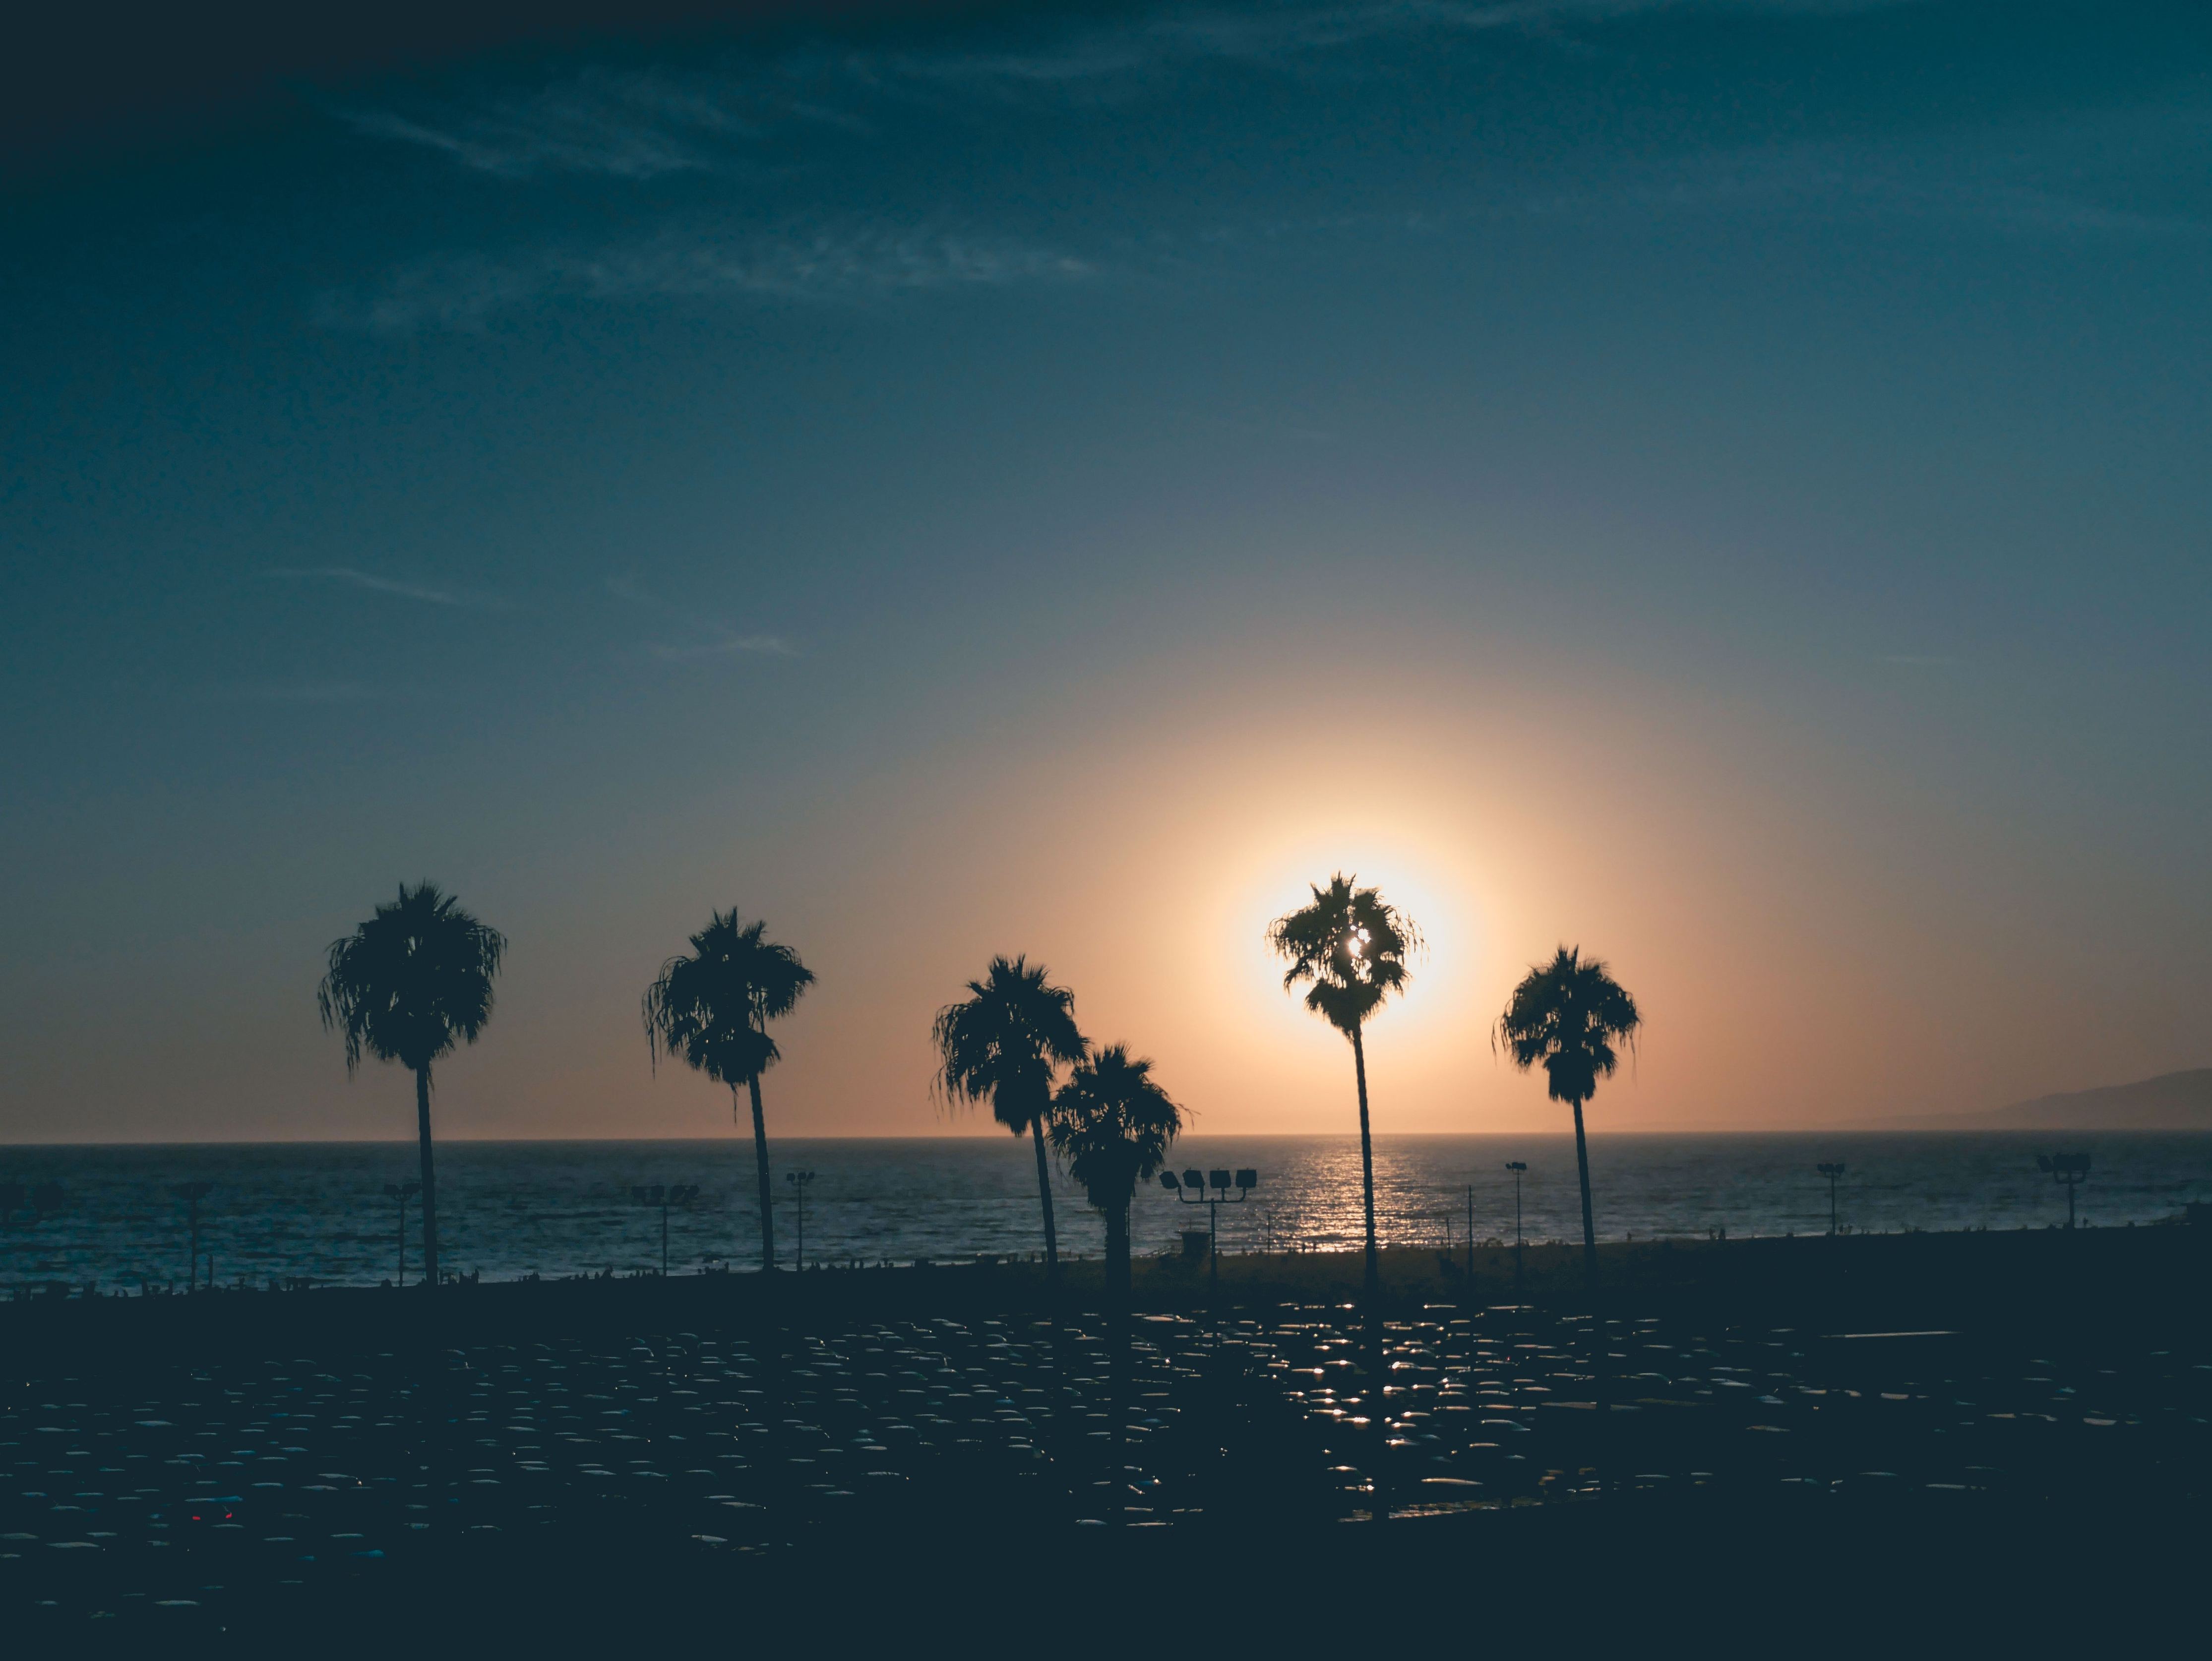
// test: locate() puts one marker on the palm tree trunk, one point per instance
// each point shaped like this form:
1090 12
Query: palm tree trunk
1044 1199
760 1159
1374 1283
430 1178
1590 1228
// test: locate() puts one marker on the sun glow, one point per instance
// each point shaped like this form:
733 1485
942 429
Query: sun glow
1275 875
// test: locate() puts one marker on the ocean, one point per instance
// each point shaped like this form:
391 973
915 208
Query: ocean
509 1209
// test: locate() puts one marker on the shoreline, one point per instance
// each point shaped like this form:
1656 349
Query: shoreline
1883 1131
2088 1280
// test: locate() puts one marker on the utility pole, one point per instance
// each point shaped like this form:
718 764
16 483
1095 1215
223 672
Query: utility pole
798 1180
2070 1171
681 1195
191 1194
1834 1172
1518 1167
402 1192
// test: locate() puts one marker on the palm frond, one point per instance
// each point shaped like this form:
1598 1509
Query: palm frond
710 1009
1004 1043
1565 1016
1351 945
413 980
1112 1125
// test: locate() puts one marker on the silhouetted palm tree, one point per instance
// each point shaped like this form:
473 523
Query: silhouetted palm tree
1567 1014
1352 947
1002 1043
1111 1125
711 1010
404 987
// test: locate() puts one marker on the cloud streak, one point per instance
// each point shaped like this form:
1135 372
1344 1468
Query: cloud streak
725 643
644 123
843 264
348 576
706 638
330 692
2023 183
636 125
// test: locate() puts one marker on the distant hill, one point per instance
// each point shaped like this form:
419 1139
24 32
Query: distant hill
2173 1101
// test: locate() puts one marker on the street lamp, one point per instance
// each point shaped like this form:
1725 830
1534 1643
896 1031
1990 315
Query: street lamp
191 1194
1192 1189
1519 1168
1833 1170
402 1192
2070 1171
798 1180
680 1194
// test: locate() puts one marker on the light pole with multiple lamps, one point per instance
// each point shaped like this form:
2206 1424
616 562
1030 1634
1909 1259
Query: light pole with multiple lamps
402 1192
681 1195
1192 1188
798 1180
2070 1171
1833 1170
191 1194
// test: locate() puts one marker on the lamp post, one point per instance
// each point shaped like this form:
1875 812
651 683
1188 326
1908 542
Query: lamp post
680 1194
1519 1168
2070 1171
402 1192
798 1180
1193 1190
191 1194
1833 1170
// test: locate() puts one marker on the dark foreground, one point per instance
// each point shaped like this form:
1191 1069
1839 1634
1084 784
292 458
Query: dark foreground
1924 1440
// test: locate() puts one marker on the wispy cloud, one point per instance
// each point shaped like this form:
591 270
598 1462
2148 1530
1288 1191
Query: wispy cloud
638 124
841 264
349 577
725 643
2026 183
1091 57
642 124
327 691
697 638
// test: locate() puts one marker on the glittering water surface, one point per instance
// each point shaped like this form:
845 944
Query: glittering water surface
509 1209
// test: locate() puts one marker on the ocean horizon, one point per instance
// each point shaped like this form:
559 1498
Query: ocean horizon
509 1209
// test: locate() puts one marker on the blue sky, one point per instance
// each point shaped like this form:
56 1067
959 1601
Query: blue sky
1720 482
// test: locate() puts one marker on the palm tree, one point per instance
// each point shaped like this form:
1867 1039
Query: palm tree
1352 947
1111 1124
1002 1043
711 1010
404 987
1567 1014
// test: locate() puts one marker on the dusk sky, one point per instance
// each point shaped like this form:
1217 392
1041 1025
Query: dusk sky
1722 485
